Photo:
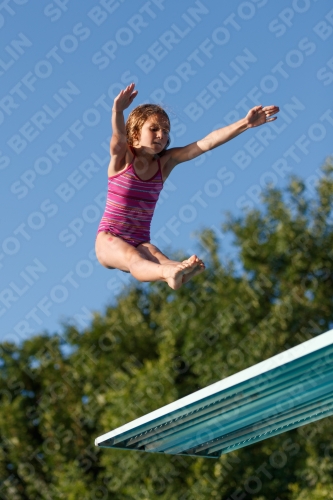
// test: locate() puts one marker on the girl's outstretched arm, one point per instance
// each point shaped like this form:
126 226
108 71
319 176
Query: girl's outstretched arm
255 117
118 145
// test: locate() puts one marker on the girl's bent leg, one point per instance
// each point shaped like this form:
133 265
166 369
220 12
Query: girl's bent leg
114 252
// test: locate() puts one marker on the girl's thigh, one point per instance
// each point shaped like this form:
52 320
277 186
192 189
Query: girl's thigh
114 253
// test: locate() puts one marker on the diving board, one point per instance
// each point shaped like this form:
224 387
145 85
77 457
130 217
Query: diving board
281 393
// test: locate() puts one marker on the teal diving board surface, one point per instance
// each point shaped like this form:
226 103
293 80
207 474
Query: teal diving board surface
281 393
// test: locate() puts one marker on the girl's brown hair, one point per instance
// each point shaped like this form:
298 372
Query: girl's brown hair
137 118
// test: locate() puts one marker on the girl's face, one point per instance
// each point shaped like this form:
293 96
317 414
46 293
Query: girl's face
154 134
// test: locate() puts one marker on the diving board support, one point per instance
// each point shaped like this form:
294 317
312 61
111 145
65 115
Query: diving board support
284 392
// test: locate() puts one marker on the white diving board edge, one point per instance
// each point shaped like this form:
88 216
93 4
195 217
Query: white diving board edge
283 392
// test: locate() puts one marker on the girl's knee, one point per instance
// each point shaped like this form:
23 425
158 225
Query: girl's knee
103 254
101 257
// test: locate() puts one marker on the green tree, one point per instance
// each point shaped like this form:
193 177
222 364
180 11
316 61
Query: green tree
156 345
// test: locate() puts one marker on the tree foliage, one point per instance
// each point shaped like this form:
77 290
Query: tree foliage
156 345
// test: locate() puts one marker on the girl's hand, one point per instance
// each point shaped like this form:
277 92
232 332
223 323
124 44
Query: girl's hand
125 98
259 115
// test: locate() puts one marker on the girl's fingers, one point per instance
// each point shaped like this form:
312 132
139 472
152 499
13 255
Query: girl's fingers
271 108
131 86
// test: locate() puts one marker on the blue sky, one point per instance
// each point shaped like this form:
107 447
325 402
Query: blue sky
208 62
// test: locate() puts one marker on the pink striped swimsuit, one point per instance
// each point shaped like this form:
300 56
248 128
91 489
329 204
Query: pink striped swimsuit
130 205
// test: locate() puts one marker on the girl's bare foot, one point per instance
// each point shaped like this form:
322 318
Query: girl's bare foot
198 268
173 274
176 274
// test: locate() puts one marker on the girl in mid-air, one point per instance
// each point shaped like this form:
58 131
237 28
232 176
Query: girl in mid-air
140 164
